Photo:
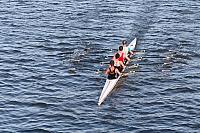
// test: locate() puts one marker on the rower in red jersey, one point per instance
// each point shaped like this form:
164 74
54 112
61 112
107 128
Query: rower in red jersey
121 53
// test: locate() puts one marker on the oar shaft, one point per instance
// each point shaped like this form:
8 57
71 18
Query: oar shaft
153 64
141 50
142 64
149 71
152 57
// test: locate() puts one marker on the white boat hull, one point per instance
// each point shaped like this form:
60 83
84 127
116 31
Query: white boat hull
110 84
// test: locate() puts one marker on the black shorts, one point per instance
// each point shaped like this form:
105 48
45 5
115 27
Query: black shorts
113 76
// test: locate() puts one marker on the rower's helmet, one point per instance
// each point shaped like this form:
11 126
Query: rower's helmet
117 55
124 42
120 48
112 62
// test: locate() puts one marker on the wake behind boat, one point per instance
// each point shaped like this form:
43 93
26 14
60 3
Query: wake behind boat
110 84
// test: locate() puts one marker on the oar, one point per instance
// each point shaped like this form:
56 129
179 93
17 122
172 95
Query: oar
152 57
131 72
140 71
136 51
139 50
124 75
159 63
148 71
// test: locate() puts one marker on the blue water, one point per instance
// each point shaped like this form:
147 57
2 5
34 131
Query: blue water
50 52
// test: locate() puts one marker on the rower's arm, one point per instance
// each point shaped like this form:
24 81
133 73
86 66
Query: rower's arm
122 64
117 71
131 52
107 71
127 58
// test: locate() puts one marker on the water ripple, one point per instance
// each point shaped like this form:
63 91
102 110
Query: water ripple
50 52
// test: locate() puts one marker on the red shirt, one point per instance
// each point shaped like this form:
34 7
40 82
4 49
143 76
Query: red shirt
121 58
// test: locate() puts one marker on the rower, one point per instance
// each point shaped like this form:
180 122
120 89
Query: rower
112 72
121 53
130 49
118 63
126 50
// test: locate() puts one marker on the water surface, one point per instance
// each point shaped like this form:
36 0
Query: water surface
50 52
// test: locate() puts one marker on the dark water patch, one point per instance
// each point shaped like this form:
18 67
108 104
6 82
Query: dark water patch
7 74
41 104
14 51
167 130
146 82
51 48
29 104
25 60
36 130
183 12
158 50
151 94
170 39
181 55
194 54
58 116
7 130
193 76
35 77
177 90
9 61
14 103
181 61
88 102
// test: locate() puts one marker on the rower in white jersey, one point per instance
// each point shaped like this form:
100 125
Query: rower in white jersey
126 50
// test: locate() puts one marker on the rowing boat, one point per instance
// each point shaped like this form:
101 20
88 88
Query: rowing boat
110 84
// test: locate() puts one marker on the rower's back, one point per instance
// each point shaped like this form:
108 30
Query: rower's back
112 71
